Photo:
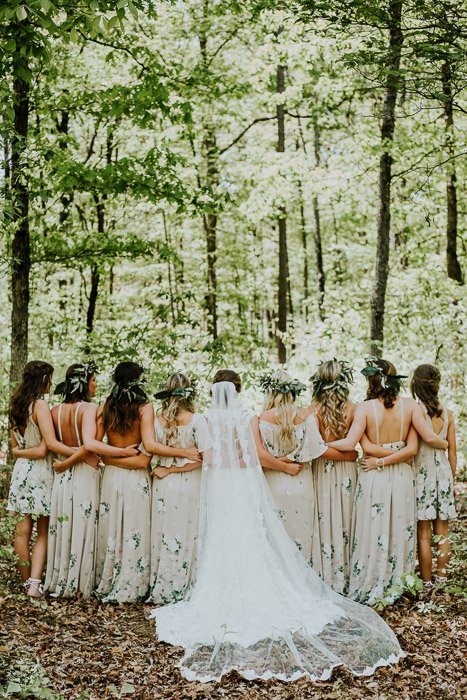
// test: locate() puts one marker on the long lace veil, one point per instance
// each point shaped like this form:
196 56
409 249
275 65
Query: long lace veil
256 606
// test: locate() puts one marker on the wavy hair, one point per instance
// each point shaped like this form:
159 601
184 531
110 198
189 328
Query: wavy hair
37 377
376 389
80 391
331 400
425 387
122 407
283 403
173 405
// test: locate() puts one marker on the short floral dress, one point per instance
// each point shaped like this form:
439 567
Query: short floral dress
71 554
31 480
383 527
174 516
435 483
294 496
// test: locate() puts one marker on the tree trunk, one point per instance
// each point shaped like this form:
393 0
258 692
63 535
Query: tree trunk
20 249
378 299
453 266
282 227
304 240
95 276
320 279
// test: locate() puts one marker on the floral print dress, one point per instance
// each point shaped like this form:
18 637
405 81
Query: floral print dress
294 496
123 535
335 483
71 553
383 527
31 480
435 483
174 516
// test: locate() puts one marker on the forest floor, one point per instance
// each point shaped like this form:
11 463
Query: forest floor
77 649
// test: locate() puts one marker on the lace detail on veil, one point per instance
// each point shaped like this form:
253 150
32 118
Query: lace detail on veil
256 606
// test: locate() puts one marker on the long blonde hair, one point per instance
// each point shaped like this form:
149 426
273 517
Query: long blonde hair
331 393
173 405
283 403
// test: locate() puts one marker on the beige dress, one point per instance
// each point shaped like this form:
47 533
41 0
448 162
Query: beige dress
294 495
335 483
71 550
383 527
174 516
123 535
31 480
435 483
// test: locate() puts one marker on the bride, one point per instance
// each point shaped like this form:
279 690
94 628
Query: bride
256 606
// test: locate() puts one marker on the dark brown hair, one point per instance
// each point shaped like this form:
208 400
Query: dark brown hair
376 389
37 376
425 386
122 406
228 375
81 393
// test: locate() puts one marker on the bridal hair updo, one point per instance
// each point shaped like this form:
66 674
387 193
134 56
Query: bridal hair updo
331 394
36 381
283 403
175 404
380 387
228 375
122 406
425 386
76 383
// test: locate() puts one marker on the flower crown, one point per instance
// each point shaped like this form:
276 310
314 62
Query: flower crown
271 385
133 389
388 381
340 384
183 392
78 380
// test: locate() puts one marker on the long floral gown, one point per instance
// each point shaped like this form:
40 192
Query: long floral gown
383 527
434 480
174 516
31 480
294 495
71 555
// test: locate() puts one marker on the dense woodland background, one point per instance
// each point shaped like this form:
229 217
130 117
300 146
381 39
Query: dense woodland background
207 182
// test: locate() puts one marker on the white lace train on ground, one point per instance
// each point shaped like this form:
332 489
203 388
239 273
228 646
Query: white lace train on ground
256 606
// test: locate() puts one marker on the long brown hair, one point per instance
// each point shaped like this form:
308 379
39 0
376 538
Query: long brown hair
37 376
425 387
331 398
173 405
284 404
77 390
122 407
376 389
228 375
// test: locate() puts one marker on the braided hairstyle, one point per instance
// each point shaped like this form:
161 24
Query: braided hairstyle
283 403
36 381
378 388
331 398
173 405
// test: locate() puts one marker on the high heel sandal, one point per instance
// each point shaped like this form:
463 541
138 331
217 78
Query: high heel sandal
36 583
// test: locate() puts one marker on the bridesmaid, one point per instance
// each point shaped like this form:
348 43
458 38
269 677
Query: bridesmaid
290 434
334 480
75 493
435 477
32 437
384 516
176 492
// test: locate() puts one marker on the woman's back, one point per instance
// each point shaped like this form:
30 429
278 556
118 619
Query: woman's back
349 411
67 419
387 425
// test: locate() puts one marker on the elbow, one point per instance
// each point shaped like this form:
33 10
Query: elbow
88 445
412 451
43 451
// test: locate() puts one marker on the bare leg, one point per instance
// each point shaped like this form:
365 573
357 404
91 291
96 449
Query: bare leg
39 556
22 541
424 548
443 547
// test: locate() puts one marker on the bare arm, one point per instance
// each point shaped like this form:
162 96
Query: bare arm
344 455
423 429
47 429
373 450
91 433
148 436
141 461
38 452
403 455
266 459
452 447
357 429
162 472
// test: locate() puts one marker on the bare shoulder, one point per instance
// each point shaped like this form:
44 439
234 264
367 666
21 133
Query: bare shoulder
268 416
146 409
409 402
350 408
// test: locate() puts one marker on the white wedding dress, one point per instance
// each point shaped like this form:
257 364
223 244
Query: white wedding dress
256 606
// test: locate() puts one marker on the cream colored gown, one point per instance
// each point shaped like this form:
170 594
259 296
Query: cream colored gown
294 495
174 516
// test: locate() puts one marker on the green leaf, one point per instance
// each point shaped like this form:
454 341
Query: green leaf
21 12
46 5
13 688
127 689
74 36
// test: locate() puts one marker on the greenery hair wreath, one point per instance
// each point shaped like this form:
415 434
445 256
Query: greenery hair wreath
133 390
183 392
340 384
78 380
388 381
271 385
